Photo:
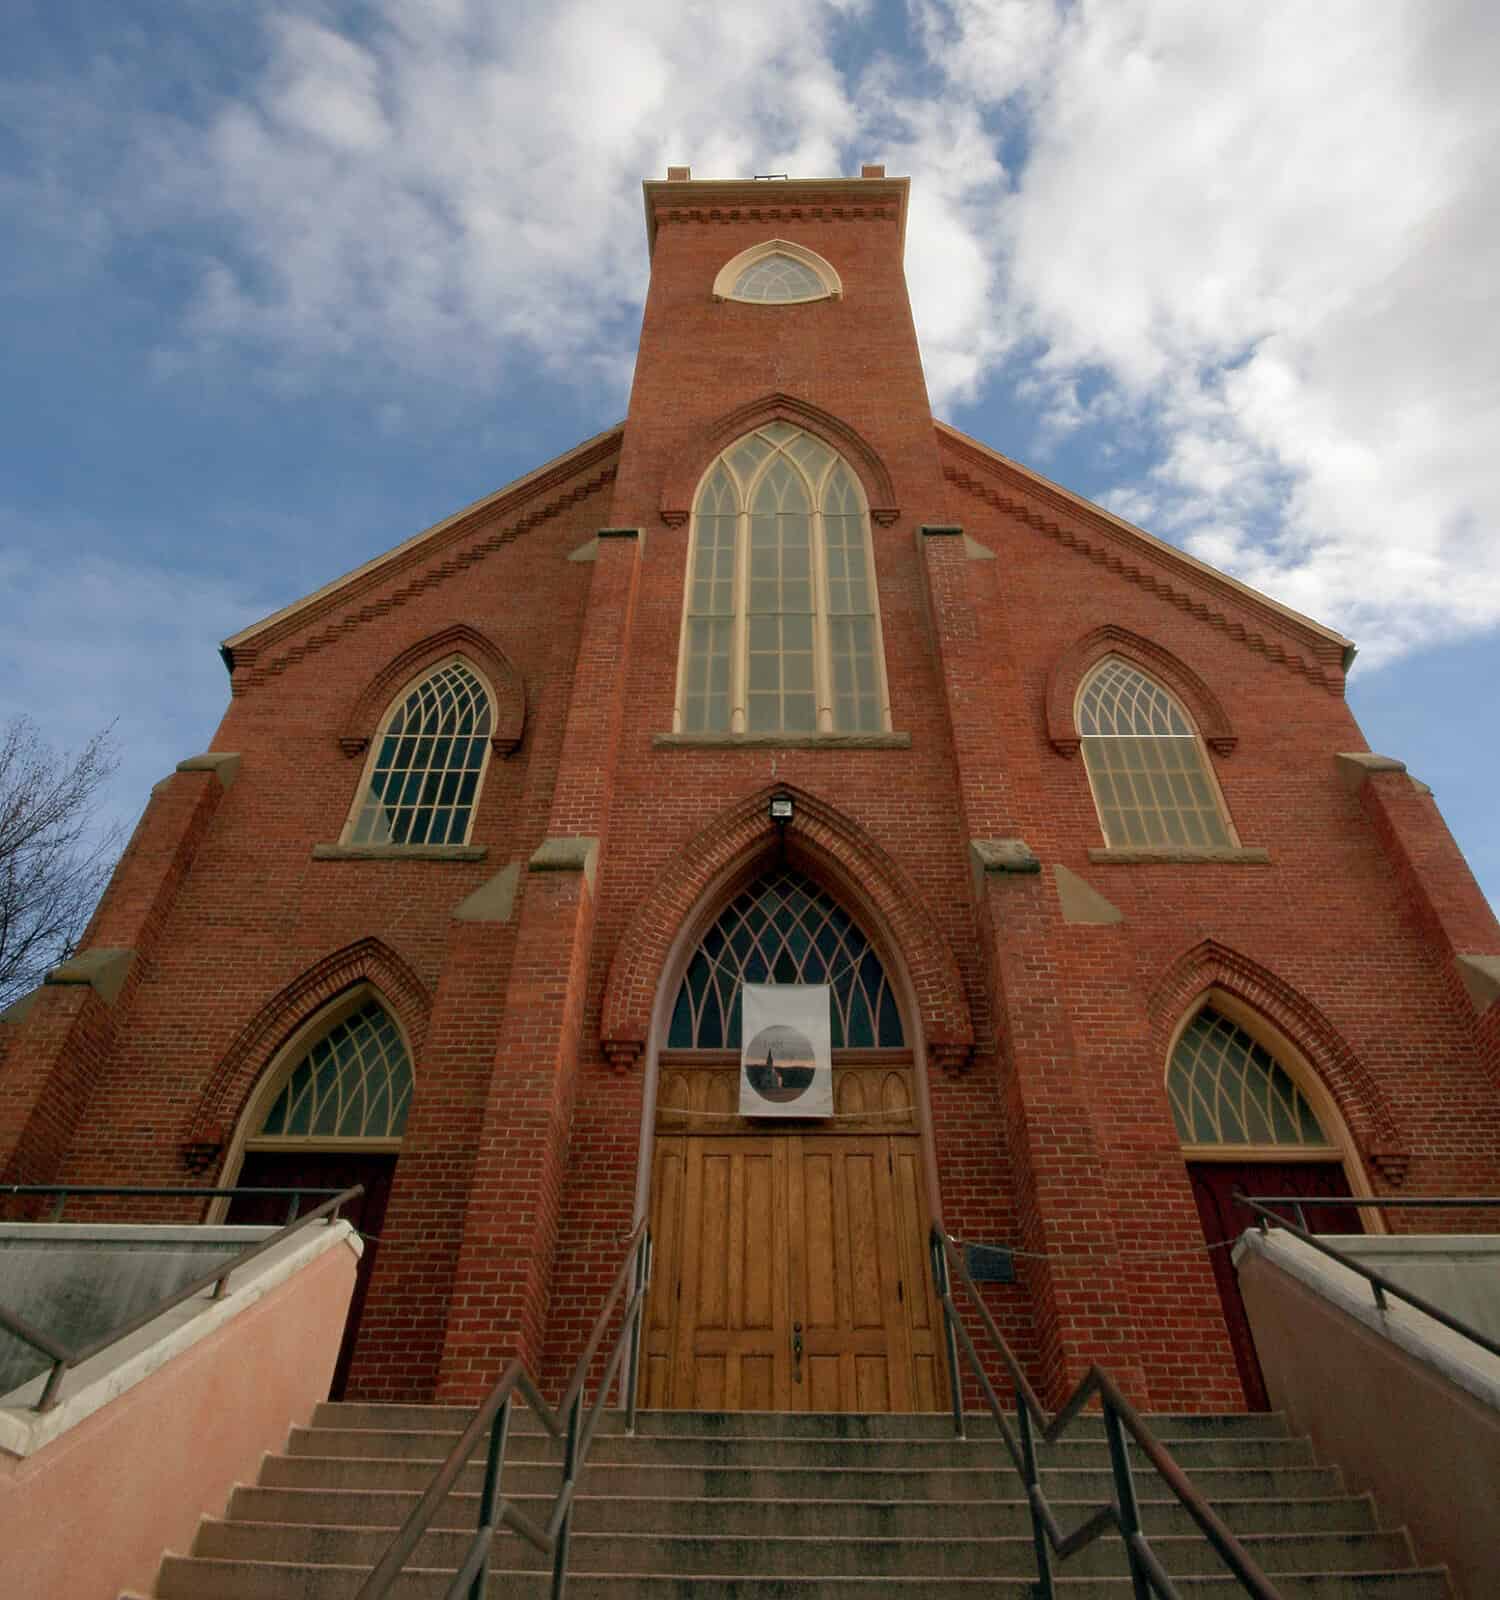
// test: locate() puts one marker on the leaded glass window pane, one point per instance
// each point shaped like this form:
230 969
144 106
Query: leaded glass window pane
428 763
778 277
354 1083
1227 1089
1150 776
784 929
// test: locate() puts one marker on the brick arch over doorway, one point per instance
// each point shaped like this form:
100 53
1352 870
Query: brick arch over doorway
1210 965
229 1087
838 850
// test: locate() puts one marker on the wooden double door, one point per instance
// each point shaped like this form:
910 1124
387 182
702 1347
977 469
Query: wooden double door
791 1274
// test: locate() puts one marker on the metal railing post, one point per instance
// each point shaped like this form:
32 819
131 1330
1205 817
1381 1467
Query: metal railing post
939 1254
642 1283
570 1469
494 1462
1032 1476
1127 1508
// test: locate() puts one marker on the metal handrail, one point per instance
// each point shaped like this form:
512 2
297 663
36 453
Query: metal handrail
1147 1574
64 1357
568 1422
1378 1281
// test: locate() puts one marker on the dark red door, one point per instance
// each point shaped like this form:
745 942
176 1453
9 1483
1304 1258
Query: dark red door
322 1169
1214 1183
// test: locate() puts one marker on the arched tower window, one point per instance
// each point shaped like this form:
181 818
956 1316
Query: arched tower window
1228 1091
353 1082
422 780
781 630
1151 780
777 272
783 928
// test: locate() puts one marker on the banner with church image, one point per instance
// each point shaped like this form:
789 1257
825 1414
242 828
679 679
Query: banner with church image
786 1064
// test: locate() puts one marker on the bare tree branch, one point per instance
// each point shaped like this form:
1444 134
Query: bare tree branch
53 862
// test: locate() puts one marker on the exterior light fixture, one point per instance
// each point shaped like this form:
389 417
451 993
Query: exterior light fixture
781 809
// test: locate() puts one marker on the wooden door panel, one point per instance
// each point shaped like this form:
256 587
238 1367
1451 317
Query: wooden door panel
756 1235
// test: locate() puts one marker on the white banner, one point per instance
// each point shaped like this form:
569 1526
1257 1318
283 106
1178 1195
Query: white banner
786 1065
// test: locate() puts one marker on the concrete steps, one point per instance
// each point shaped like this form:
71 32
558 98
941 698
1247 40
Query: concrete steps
755 1506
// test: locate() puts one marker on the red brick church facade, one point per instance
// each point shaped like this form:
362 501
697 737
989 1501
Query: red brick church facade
1043 971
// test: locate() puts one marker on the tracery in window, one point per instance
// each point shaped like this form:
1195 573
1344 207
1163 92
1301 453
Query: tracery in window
354 1082
783 928
1226 1088
423 775
1151 779
781 632
777 272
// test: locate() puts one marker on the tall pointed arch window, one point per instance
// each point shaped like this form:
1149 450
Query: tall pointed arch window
784 928
781 630
421 782
1229 1094
1151 779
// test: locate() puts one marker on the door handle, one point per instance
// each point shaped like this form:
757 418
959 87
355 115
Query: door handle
796 1352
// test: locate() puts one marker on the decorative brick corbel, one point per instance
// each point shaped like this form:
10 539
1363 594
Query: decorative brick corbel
1392 1165
199 1154
951 1056
884 516
353 744
623 1054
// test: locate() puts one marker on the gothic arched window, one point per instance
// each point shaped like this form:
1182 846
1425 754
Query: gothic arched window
1227 1090
781 631
353 1082
1151 779
423 775
783 928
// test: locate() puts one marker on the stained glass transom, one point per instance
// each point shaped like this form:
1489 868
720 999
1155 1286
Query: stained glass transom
354 1083
427 764
784 929
779 277
1227 1089
1150 777
781 631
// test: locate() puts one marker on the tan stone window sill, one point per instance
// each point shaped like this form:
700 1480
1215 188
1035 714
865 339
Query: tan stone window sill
1231 855
399 852
782 741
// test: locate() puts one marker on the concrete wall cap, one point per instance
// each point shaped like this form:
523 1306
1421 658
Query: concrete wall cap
1458 1359
493 901
1481 977
105 971
1003 855
978 552
1082 905
1356 765
120 1367
224 764
586 552
575 853
399 852
1223 855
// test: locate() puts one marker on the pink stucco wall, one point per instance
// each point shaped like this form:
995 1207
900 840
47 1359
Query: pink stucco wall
92 1512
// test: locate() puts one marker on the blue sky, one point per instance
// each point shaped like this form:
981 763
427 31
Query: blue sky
283 284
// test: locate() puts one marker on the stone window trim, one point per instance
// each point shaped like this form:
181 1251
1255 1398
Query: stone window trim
1173 855
742 471
1186 686
733 270
350 847
481 654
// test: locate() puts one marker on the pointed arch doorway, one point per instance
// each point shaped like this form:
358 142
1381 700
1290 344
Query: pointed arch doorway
791 1259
